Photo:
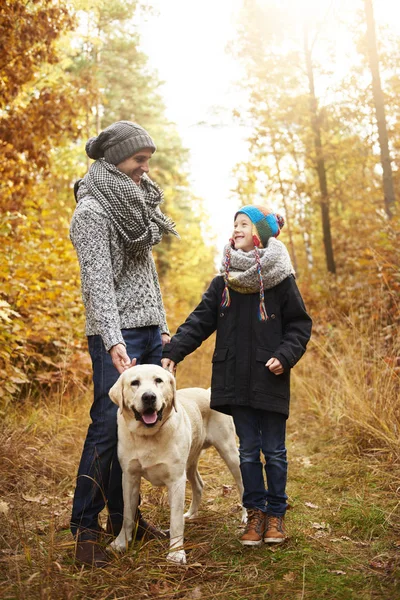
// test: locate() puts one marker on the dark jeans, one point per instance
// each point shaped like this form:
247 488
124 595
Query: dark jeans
99 480
262 431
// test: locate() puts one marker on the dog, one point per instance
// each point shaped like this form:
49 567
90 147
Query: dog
161 433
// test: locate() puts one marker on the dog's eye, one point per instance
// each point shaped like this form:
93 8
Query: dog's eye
135 382
158 380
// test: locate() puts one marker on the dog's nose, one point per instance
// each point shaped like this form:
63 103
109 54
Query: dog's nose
149 398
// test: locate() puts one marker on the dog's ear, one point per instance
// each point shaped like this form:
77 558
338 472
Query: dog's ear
116 393
173 386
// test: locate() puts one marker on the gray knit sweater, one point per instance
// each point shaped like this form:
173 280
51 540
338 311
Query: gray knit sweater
119 290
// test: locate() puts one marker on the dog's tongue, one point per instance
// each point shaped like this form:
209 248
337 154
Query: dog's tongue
149 418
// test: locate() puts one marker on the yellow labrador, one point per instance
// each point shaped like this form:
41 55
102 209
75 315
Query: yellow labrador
161 434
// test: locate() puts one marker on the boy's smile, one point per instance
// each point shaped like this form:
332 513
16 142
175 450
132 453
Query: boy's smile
243 233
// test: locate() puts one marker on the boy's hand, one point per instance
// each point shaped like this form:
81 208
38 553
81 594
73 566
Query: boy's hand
275 366
169 365
120 358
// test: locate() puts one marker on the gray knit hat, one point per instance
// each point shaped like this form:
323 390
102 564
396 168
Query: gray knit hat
118 142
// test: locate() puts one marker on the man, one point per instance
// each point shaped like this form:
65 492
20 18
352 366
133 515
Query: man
116 222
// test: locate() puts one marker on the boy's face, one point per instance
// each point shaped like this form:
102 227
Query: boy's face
136 165
243 233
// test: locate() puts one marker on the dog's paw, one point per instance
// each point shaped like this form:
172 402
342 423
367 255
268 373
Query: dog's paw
244 516
177 556
188 516
119 545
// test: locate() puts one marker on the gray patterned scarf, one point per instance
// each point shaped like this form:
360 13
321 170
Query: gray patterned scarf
133 209
255 271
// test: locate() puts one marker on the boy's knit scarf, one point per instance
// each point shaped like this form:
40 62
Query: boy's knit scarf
252 272
133 209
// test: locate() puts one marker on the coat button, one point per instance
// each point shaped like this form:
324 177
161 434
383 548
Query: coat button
273 316
221 314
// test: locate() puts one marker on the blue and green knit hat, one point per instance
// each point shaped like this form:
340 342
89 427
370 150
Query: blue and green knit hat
266 223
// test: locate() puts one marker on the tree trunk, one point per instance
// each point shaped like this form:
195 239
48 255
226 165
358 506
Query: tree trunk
286 207
320 161
388 189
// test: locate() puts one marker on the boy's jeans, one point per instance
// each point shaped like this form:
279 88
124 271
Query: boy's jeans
260 430
99 480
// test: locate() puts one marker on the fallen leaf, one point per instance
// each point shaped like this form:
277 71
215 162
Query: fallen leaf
321 525
311 505
337 572
28 498
289 576
362 544
319 534
381 565
194 594
226 489
4 507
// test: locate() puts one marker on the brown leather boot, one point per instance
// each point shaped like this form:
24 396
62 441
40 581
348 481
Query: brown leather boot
254 530
90 553
275 532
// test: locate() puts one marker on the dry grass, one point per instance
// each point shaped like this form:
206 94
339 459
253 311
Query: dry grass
344 521
352 384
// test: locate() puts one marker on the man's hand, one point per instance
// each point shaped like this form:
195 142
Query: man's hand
275 366
120 358
169 365
165 339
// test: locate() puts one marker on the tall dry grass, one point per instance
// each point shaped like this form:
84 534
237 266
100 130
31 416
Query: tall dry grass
350 380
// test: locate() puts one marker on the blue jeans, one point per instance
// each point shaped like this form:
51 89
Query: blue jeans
99 480
262 431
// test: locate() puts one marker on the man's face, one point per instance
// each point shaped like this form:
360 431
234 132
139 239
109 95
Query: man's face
136 165
243 233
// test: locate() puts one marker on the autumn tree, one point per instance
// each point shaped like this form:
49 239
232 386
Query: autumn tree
280 65
57 86
379 102
294 131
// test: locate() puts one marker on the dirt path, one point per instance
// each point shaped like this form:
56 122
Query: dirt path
343 524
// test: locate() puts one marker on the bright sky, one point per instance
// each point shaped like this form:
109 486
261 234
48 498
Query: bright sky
186 43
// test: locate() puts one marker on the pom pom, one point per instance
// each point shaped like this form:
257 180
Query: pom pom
281 221
94 148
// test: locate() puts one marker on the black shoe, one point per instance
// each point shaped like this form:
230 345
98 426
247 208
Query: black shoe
148 531
90 553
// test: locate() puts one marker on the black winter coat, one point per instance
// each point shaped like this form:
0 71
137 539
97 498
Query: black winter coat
244 344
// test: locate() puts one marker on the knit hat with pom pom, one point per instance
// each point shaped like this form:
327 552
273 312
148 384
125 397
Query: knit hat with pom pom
118 142
267 224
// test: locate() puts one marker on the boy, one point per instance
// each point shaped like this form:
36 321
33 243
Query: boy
262 331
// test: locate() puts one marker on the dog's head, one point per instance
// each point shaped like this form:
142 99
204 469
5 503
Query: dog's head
145 394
